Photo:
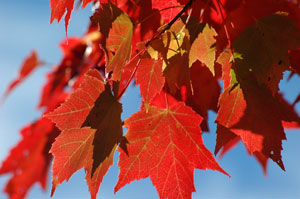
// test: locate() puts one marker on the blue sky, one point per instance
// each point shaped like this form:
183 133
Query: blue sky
25 26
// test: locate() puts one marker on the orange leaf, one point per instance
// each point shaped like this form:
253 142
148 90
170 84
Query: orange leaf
165 144
90 121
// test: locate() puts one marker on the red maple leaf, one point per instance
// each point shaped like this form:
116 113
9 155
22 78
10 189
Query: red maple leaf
117 29
30 63
165 144
177 63
251 107
90 121
29 160
58 9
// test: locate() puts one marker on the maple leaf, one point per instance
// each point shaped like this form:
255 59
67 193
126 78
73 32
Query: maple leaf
251 104
117 27
59 7
30 63
165 140
233 108
251 107
73 150
150 78
29 160
90 121
203 48
119 42
166 145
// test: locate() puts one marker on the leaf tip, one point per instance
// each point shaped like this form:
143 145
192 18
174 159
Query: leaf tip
54 185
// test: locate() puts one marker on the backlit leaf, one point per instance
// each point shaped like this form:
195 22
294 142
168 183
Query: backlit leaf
118 43
203 48
165 144
150 78
91 129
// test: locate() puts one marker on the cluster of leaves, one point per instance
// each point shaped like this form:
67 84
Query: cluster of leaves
176 51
